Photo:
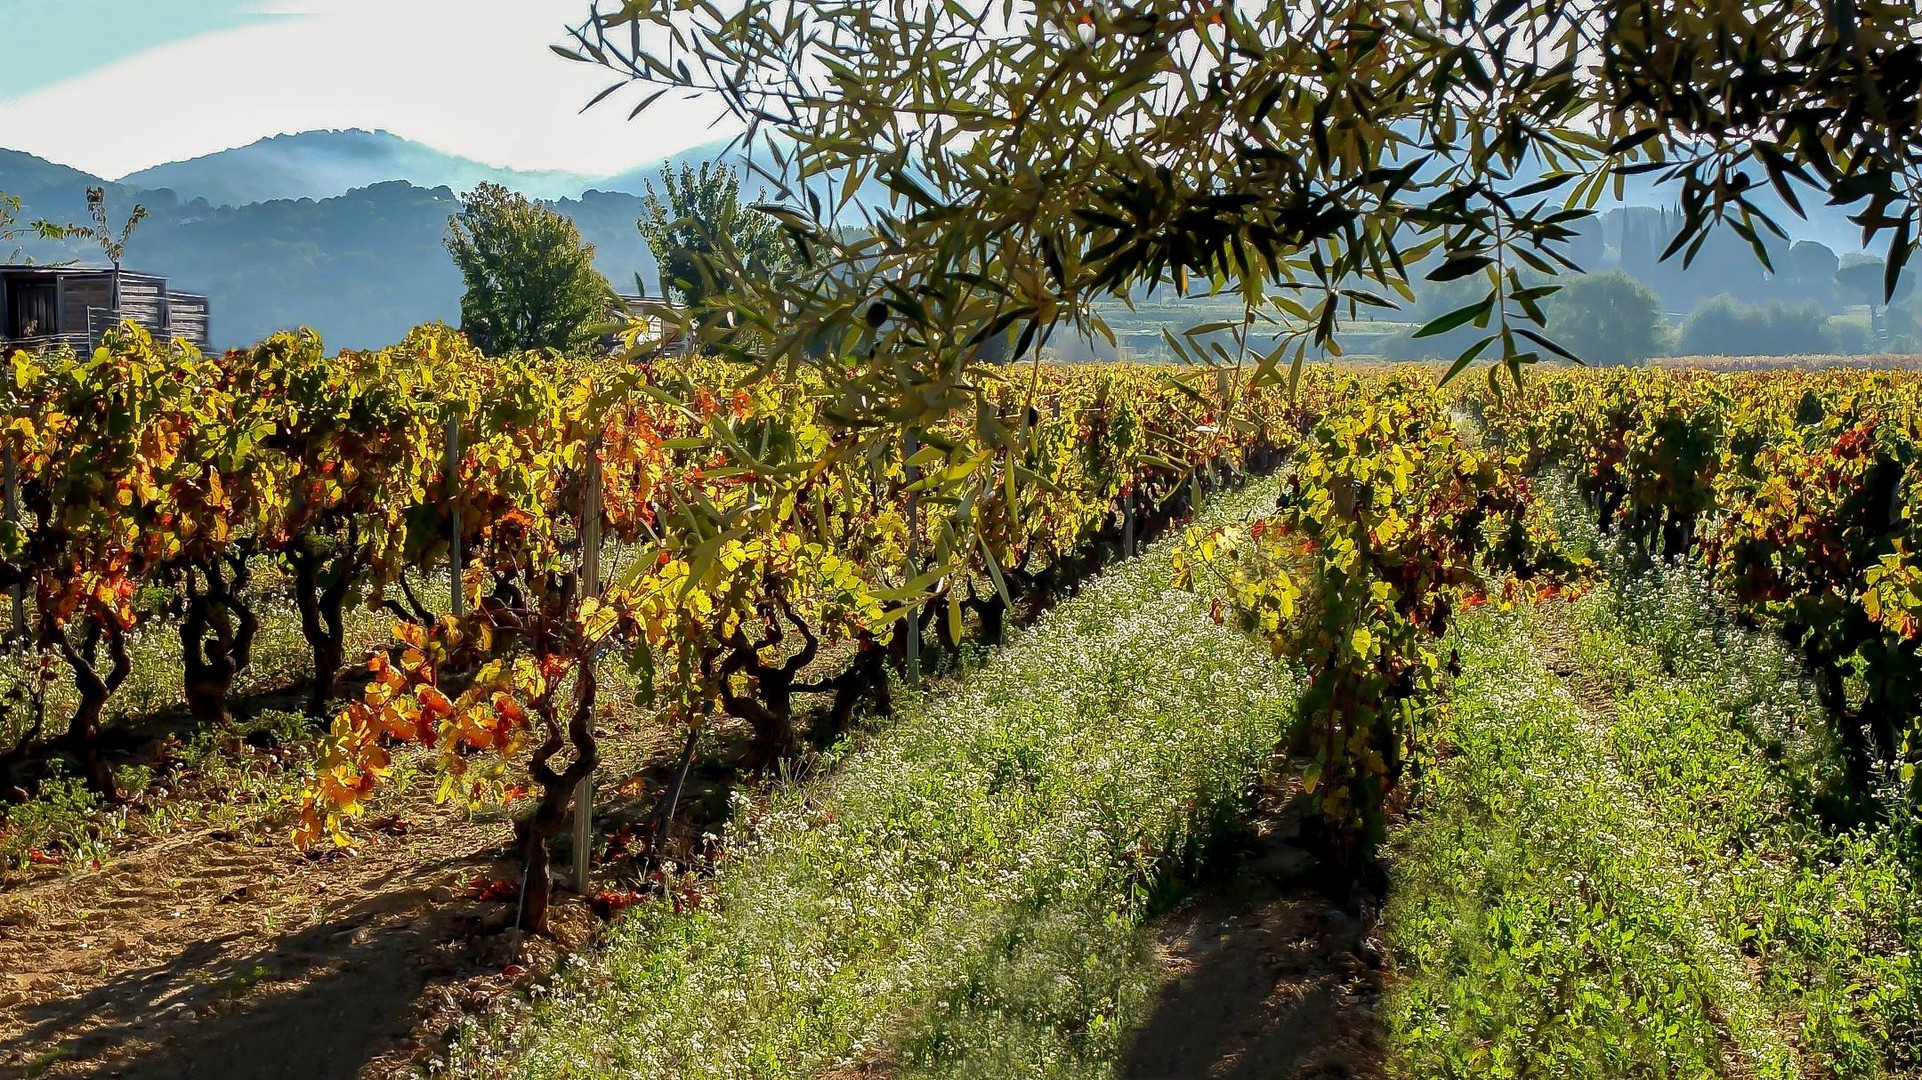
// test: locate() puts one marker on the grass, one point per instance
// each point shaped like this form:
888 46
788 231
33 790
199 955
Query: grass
1621 874
216 780
961 894
282 662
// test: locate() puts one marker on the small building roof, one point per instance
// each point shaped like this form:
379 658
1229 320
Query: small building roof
69 270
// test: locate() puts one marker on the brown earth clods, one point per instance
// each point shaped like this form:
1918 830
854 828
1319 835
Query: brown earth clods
212 954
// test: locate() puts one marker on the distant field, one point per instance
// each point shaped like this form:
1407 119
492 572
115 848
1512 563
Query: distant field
1140 336
1779 363
1139 332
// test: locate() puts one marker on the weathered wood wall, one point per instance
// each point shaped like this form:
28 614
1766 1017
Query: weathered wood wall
187 318
83 306
77 296
143 300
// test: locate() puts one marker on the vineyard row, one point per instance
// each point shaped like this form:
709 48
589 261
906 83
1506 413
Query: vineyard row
752 546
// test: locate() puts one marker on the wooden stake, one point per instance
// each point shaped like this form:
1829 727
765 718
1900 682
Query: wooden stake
590 588
673 799
455 564
18 631
908 448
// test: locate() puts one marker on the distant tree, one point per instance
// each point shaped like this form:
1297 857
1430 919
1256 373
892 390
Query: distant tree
112 241
13 230
1859 277
1609 318
1589 246
1723 326
1861 280
1809 269
1639 244
1904 323
1725 263
696 217
1852 337
530 278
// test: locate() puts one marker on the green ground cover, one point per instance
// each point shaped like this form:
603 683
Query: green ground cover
1617 870
961 894
1614 866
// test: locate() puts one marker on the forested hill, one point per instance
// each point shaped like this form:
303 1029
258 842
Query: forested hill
361 267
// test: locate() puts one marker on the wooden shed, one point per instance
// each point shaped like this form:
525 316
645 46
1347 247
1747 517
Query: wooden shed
642 309
45 305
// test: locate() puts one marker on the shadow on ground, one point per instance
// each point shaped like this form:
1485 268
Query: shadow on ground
313 1006
1273 972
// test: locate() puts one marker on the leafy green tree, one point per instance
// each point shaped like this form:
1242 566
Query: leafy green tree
1609 318
695 225
1723 326
1859 278
13 229
1044 156
530 278
1809 271
1864 279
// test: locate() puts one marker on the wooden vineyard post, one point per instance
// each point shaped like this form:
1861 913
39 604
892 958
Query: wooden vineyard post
455 564
1128 525
908 448
590 588
18 631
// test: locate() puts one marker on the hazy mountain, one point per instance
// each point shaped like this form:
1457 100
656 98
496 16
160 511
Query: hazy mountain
28 176
635 181
322 164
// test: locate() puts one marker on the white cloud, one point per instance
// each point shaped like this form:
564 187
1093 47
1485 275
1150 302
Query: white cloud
472 77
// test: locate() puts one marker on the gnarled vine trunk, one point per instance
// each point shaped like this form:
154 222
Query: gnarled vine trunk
95 687
217 632
534 833
770 711
321 584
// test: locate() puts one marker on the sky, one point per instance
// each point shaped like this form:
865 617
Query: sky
181 78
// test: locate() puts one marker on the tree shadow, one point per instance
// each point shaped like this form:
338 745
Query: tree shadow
1275 972
313 1005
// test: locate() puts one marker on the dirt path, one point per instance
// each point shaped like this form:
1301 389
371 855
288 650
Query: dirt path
214 948
1272 973
207 949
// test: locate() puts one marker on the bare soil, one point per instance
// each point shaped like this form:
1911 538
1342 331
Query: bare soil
1272 972
229 953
